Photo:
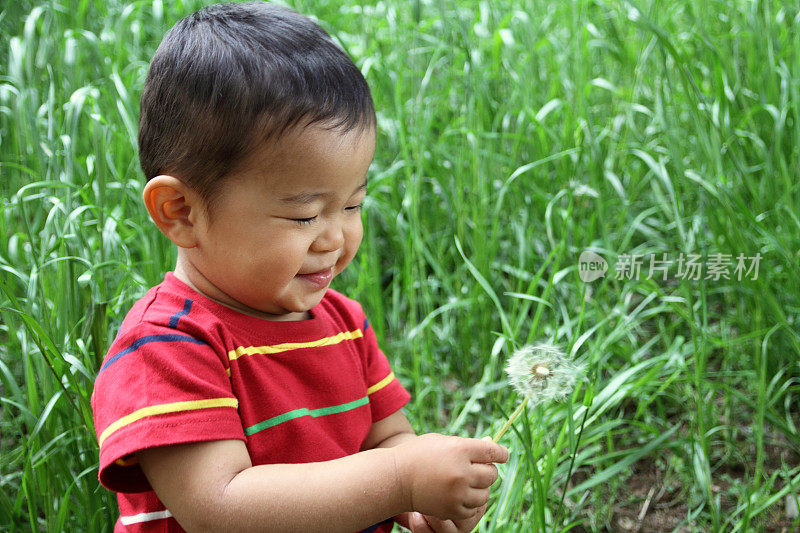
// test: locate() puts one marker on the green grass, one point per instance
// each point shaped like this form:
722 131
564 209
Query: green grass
683 118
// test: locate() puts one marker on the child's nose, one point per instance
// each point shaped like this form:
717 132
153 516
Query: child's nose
331 238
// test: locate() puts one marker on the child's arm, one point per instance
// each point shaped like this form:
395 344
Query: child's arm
387 433
212 486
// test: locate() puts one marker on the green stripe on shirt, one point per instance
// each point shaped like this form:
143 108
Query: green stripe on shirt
297 413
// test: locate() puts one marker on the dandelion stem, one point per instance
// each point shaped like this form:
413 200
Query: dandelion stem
510 420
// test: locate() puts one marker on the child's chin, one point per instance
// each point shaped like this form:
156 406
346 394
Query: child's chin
307 304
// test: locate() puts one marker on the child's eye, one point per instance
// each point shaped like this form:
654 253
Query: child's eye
354 207
304 220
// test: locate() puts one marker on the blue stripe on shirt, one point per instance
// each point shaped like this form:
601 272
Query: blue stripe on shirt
187 306
138 343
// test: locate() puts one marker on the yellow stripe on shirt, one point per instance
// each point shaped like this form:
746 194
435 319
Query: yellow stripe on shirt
165 408
381 384
286 346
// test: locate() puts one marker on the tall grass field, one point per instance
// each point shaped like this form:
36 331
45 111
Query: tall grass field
619 178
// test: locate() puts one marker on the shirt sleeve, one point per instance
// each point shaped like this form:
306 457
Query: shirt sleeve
158 386
386 394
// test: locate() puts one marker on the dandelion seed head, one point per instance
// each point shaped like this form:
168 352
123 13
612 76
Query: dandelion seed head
542 373
581 189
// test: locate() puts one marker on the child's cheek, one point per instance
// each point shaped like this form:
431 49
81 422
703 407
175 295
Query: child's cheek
352 242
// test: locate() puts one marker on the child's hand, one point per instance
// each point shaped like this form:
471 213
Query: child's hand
448 477
419 523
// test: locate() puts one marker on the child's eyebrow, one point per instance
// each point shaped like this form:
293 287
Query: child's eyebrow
309 197
302 198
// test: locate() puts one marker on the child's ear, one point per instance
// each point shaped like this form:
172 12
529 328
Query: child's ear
173 207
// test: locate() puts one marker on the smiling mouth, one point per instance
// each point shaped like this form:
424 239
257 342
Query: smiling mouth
318 279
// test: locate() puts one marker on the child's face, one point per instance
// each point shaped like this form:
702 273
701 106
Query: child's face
285 225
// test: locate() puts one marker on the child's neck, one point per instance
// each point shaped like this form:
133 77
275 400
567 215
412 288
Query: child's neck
185 272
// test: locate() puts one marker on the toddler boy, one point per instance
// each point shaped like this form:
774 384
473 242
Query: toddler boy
242 393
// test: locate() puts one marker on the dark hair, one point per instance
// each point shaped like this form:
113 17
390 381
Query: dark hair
232 75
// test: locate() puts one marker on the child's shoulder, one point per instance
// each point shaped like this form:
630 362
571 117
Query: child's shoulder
170 304
172 312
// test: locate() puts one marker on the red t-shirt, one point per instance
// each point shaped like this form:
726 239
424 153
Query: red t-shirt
184 368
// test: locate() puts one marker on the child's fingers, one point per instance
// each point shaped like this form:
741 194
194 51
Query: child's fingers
484 475
441 526
418 524
468 524
476 499
489 452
